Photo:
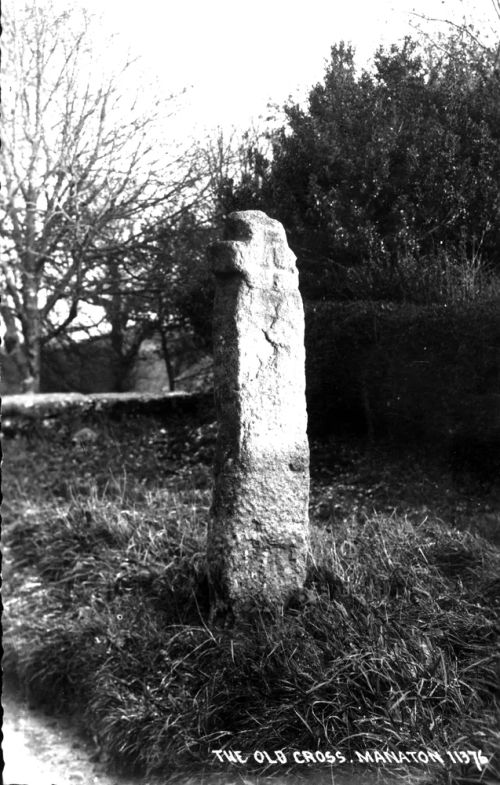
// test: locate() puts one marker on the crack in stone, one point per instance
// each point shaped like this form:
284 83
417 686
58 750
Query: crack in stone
261 407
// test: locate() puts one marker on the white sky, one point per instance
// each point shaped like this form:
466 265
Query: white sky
236 56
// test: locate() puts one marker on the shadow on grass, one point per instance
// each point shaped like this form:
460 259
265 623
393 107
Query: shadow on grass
392 645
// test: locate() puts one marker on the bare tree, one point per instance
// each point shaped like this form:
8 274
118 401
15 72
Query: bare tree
464 28
81 168
234 157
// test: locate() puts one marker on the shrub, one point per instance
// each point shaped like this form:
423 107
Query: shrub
405 371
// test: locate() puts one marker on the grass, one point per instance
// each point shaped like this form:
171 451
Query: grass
392 645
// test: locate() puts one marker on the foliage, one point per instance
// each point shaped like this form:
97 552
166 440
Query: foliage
178 281
390 646
413 372
389 175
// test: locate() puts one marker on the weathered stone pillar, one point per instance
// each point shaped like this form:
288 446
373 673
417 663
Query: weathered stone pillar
259 531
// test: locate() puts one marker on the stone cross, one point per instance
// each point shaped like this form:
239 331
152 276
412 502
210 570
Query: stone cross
259 530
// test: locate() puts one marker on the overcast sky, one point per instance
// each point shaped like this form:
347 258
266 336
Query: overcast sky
235 56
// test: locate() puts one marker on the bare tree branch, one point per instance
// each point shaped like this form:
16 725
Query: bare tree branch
79 168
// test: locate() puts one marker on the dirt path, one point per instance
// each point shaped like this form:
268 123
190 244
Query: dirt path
40 750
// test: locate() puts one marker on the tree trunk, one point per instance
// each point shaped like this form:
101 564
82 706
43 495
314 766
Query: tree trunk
30 285
31 383
12 343
31 333
167 358
118 322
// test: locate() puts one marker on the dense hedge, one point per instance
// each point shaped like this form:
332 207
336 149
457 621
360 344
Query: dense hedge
408 371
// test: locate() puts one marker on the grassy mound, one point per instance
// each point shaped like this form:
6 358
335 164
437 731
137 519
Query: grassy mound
392 644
